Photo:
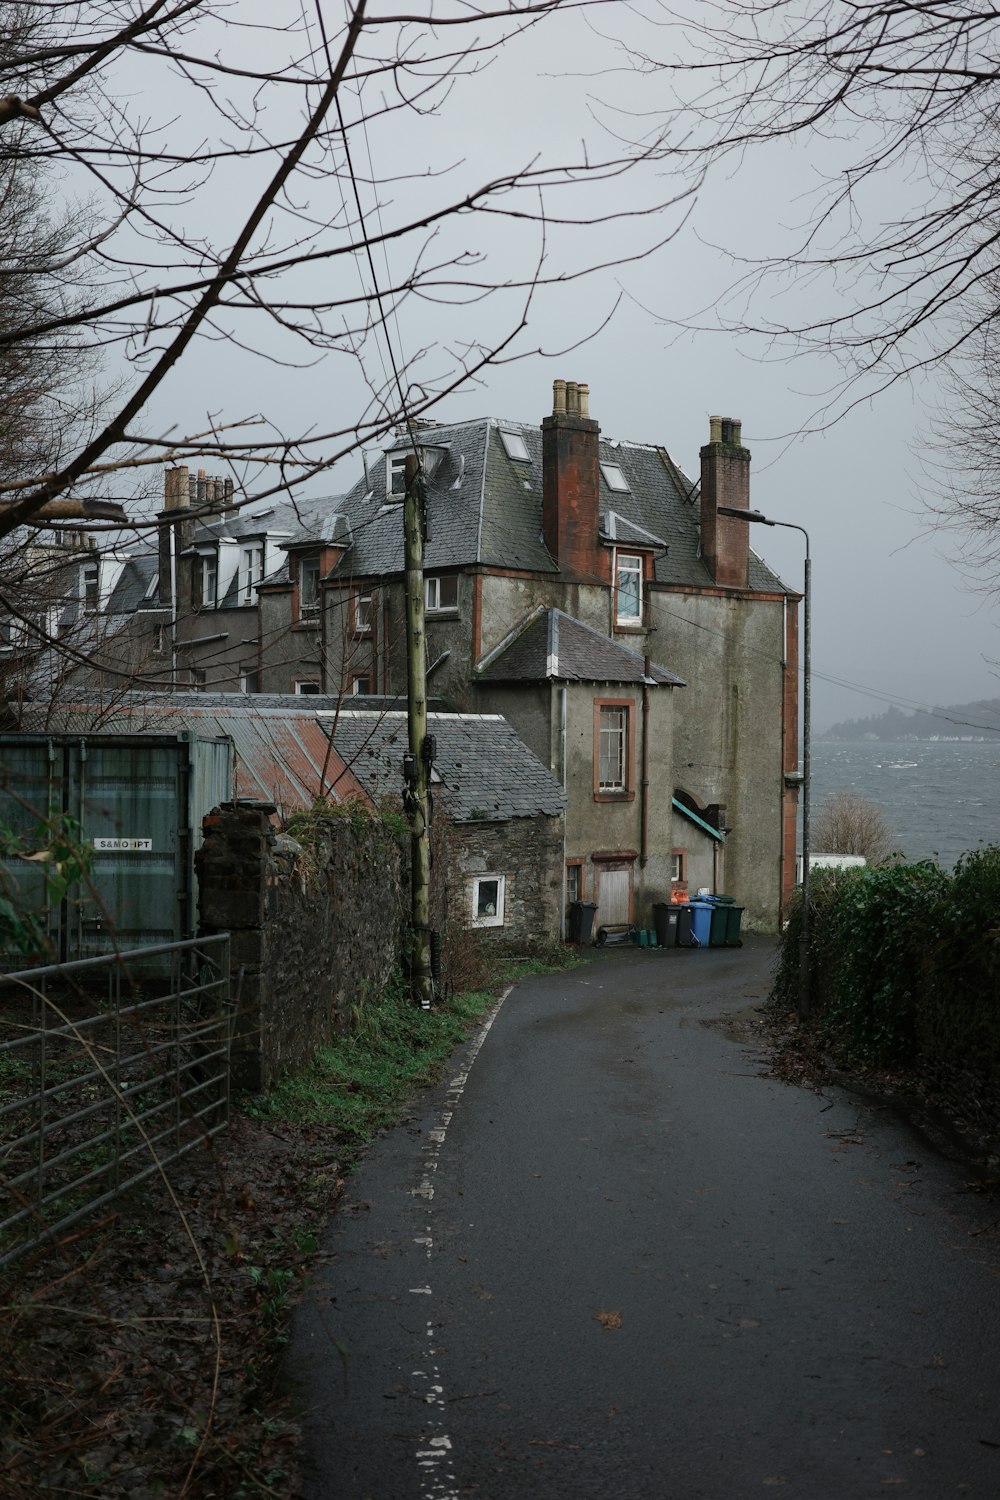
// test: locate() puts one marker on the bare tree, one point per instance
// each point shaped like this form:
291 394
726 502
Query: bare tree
238 202
899 99
847 824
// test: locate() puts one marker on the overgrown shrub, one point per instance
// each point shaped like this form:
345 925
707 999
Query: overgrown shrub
958 1015
871 934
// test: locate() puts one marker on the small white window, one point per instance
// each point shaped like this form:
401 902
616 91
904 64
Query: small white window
306 687
210 579
90 588
251 571
308 585
614 478
441 593
362 614
628 590
488 900
395 474
248 681
361 686
515 446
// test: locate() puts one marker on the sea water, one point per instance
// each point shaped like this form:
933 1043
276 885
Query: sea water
939 797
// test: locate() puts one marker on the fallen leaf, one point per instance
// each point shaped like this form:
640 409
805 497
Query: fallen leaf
608 1319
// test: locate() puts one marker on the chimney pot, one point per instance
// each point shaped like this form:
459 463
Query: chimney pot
558 397
583 392
715 429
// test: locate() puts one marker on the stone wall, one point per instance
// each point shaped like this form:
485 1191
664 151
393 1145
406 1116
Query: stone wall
314 930
528 853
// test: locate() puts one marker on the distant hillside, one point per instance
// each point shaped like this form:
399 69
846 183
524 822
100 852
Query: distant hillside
979 720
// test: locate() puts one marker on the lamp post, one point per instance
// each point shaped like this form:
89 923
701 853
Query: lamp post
750 516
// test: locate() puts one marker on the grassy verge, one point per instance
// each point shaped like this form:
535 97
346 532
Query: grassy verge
361 1083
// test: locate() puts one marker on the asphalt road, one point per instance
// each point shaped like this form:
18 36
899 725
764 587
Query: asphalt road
607 1258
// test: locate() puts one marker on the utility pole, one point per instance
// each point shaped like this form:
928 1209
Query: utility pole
417 765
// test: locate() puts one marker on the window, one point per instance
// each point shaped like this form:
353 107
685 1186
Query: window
612 748
678 867
628 589
210 580
248 681
90 588
395 474
362 614
361 686
441 593
251 571
574 882
515 446
488 900
614 478
309 585
306 686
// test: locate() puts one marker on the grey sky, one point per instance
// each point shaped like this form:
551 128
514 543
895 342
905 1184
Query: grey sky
891 615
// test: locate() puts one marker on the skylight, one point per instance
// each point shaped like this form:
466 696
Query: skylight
516 447
614 478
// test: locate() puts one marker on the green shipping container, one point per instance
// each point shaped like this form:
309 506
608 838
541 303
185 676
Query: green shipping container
139 801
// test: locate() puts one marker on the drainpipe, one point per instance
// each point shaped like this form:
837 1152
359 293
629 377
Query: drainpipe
562 733
644 779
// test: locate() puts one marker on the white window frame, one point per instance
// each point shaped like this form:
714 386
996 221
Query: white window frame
433 587
614 478
251 571
495 919
363 616
395 476
628 564
209 570
248 681
307 686
514 446
308 598
612 742
90 588
356 689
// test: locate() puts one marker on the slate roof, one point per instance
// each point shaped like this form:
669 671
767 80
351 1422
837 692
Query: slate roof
485 507
552 646
488 772
280 749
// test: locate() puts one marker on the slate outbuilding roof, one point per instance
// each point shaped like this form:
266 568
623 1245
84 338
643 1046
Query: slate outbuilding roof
552 646
489 774
485 508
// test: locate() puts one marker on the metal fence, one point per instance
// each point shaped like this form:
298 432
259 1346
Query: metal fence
108 1071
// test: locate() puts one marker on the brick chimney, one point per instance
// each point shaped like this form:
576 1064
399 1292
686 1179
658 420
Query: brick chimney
176 530
571 482
725 480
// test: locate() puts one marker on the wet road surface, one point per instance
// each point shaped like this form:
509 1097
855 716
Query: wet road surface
605 1257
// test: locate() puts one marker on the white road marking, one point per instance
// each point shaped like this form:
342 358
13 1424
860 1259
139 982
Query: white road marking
437 1477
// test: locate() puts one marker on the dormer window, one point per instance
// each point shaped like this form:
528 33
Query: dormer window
251 571
514 446
210 579
395 475
628 589
308 585
614 478
395 468
90 588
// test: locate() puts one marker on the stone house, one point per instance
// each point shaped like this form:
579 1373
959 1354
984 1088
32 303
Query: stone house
498 851
588 591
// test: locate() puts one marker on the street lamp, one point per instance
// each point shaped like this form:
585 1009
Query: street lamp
740 514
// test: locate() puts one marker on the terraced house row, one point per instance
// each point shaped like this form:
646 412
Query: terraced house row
581 586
